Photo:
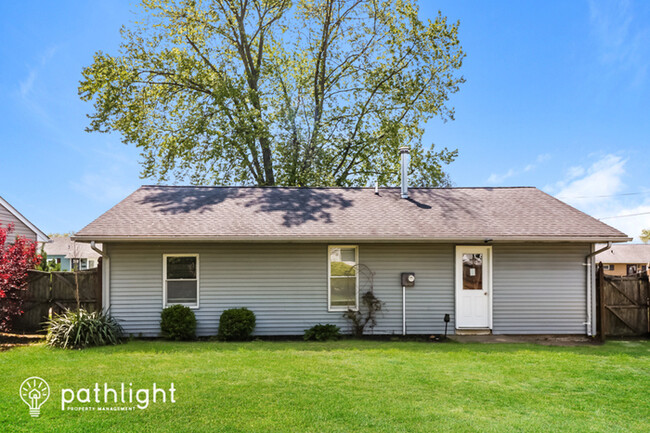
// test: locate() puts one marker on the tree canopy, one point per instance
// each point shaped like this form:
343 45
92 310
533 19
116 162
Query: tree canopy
279 92
645 235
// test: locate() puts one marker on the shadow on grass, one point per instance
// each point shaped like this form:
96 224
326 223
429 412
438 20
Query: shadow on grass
635 348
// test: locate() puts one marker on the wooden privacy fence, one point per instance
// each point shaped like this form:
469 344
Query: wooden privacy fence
53 292
623 305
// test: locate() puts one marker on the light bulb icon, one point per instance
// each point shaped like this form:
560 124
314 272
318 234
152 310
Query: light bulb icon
34 391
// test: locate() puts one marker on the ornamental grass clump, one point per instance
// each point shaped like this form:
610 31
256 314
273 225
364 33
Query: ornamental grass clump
78 329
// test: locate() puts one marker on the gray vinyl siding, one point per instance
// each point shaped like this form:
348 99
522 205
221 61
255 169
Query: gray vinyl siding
536 288
427 302
20 229
539 289
284 284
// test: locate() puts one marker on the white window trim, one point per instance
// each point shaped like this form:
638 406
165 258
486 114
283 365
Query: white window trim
164 281
329 275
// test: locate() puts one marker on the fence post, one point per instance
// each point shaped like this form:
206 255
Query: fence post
646 282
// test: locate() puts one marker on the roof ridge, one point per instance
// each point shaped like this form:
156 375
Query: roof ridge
335 187
15 212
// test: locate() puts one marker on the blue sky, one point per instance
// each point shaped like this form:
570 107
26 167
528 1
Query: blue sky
557 96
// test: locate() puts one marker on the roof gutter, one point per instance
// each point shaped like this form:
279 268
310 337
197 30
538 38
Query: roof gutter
591 279
349 238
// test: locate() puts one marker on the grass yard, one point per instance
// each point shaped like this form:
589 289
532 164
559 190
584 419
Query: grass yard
346 386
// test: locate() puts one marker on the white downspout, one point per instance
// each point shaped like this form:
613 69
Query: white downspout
403 310
590 286
95 249
106 274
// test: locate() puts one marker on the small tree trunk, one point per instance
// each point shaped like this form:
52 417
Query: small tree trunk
76 285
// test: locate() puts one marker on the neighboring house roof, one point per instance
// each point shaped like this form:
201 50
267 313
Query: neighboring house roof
346 214
64 246
40 236
626 253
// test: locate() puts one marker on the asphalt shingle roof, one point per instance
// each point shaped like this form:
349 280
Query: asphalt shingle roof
629 253
245 213
64 246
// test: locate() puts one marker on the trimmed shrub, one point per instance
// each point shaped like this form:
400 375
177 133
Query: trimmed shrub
178 322
322 332
80 329
236 324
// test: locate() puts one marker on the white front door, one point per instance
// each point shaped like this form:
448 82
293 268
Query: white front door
473 291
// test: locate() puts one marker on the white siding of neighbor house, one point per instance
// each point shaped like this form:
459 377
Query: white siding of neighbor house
20 229
537 289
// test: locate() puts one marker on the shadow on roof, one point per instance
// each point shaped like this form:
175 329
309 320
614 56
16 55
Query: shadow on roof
297 206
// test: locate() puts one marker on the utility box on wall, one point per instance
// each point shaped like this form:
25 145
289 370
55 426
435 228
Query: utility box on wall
408 279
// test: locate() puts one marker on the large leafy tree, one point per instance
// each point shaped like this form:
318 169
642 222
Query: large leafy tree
279 92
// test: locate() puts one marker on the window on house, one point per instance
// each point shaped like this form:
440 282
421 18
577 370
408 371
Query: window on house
181 280
343 279
91 264
608 267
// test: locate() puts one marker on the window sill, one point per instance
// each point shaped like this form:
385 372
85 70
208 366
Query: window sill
341 309
191 307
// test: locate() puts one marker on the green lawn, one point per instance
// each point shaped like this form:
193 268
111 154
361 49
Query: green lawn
344 386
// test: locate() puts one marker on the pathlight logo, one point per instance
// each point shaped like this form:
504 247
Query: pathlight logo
34 391
105 398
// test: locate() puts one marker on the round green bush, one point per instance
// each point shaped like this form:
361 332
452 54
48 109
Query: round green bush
77 329
322 332
236 324
178 323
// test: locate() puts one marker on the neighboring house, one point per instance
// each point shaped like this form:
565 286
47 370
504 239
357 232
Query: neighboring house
71 255
625 259
22 226
501 260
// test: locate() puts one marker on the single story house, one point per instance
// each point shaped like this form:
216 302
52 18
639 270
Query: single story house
22 226
70 254
625 259
500 260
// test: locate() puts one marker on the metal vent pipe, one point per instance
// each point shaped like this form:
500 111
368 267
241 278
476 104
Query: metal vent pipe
404 160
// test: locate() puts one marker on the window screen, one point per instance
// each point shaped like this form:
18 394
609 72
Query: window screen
343 278
181 280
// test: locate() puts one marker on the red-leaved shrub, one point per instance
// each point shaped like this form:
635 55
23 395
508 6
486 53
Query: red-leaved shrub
15 260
